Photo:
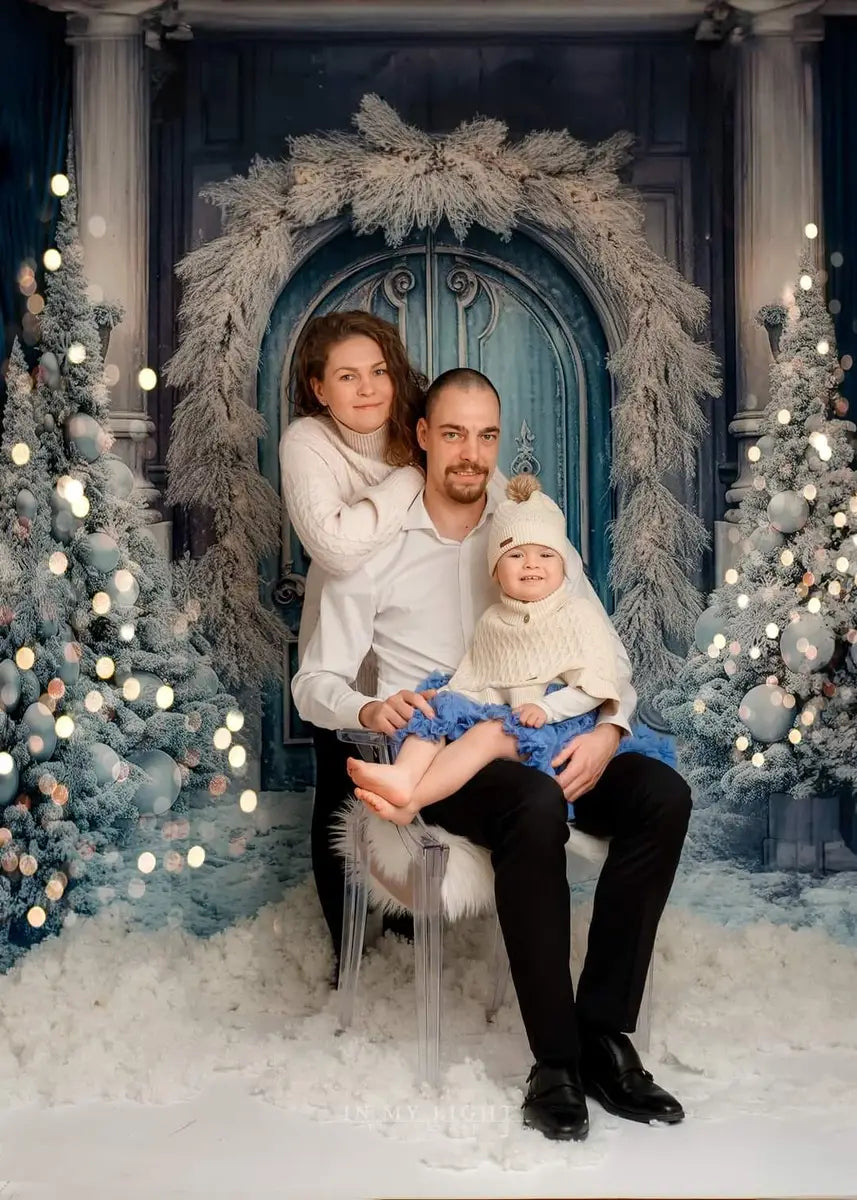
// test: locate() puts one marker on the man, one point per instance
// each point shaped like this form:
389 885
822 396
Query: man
416 604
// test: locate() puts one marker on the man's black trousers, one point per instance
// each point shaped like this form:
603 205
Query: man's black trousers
519 814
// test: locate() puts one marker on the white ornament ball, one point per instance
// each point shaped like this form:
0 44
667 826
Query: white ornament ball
148 683
69 670
64 524
120 477
766 539
105 762
122 597
10 684
50 370
708 624
807 644
25 505
788 511
767 443
40 723
202 683
763 712
99 550
8 784
160 791
85 436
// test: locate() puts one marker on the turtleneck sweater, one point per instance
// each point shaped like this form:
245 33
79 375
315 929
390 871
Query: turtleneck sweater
344 501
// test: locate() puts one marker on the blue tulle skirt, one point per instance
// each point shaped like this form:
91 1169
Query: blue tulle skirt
455 714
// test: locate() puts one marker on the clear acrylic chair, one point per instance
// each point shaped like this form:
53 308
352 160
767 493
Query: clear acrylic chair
422 894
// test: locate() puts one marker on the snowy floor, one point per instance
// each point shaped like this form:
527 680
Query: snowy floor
141 1059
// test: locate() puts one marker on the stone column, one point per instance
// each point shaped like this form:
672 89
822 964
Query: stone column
777 172
111 125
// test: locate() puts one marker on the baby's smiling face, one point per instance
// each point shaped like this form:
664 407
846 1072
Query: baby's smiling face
529 573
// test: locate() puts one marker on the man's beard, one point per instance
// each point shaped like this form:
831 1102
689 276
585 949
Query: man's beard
465 491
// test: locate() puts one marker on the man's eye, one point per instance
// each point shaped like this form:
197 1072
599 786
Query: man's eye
450 435
489 437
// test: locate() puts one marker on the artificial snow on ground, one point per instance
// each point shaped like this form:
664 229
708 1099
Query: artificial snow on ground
234 1034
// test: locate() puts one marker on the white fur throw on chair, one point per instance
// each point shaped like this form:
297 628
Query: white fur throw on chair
468 885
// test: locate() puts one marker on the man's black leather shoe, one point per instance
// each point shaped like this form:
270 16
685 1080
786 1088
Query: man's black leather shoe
555 1103
613 1075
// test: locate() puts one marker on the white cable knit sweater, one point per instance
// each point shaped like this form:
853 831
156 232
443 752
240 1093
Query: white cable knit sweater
519 648
344 501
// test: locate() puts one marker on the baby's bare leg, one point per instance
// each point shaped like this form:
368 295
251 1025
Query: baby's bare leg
459 761
396 782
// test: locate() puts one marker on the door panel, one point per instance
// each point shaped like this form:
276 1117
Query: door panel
510 310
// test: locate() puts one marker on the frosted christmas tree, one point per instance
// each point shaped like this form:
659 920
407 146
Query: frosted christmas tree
765 704
109 707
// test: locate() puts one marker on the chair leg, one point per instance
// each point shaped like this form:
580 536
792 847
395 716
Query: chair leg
428 952
354 917
500 974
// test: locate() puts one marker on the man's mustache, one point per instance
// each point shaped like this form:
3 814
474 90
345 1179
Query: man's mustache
466 466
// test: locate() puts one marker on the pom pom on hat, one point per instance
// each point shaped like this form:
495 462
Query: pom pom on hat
527 518
521 487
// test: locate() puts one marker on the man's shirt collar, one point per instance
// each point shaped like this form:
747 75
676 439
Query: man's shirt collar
417 516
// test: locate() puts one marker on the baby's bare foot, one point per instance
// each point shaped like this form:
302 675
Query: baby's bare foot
401 815
386 780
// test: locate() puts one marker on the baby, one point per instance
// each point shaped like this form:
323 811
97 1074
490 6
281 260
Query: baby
540 663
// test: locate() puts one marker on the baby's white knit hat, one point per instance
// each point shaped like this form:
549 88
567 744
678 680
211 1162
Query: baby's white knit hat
527 518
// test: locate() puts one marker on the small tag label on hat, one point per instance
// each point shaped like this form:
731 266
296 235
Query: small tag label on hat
506 542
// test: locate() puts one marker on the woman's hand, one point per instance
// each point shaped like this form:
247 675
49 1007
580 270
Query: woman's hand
531 715
387 716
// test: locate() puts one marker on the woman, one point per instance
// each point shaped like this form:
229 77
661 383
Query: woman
349 475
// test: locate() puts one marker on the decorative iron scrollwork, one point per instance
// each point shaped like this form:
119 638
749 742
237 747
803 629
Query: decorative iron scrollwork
525 462
463 284
290 587
397 284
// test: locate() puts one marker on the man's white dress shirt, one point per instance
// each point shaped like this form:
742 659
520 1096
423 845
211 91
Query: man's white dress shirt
416 604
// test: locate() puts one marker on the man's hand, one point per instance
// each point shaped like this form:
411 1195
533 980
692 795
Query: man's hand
530 715
585 758
386 716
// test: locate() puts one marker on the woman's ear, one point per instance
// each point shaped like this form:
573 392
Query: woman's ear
318 388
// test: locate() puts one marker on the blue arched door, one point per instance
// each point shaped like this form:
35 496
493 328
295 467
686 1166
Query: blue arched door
511 310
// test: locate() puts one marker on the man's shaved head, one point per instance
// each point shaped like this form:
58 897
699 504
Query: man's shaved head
464 378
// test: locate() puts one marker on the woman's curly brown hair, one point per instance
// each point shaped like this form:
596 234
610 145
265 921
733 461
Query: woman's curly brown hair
409 387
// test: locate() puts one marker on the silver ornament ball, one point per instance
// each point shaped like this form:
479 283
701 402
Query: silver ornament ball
159 791
105 762
708 624
99 550
10 684
807 644
85 436
9 785
25 504
41 731
766 540
120 477
788 512
764 713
